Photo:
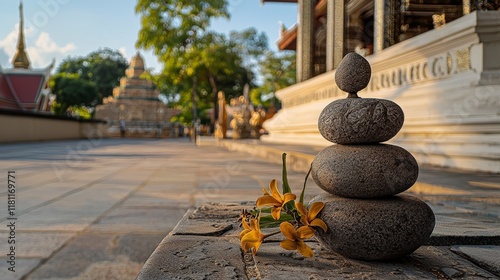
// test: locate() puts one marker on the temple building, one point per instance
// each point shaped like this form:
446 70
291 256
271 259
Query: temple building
21 87
136 106
439 60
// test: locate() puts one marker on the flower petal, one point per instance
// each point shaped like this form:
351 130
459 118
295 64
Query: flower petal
244 223
288 231
301 208
256 247
288 245
288 197
305 232
276 213
319 223
315 208
305 250
304 221
265 191
250 237
273 186
254 224
267 200
245 231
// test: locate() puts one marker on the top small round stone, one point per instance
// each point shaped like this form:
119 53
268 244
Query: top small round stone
353 73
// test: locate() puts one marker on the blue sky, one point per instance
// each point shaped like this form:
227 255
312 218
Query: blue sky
56 29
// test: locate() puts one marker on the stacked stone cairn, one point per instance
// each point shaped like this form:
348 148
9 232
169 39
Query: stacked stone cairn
367 218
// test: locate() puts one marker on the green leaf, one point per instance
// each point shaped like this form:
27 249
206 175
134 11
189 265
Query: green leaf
269 222
286 186
265 209
301 199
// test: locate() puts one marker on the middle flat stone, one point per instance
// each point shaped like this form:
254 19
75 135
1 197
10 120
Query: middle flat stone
360 120
364 171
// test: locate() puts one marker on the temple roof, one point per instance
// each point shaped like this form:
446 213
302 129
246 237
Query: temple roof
288 38
22 89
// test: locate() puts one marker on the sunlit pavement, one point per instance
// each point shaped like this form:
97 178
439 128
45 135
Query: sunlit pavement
96 209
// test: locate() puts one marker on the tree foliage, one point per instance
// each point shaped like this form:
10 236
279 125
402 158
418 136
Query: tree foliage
278 71
198 62
176 31
72 90
103 67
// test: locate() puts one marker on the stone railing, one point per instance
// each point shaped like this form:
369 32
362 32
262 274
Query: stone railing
446 80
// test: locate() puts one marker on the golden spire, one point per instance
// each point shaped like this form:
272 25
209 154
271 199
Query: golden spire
21 58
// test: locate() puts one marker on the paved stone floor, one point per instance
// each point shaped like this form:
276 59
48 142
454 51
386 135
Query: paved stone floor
96 209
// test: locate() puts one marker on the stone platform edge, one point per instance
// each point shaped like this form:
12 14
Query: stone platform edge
205 245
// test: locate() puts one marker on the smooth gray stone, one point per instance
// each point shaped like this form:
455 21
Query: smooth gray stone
353 73
374 229
360 120
364 171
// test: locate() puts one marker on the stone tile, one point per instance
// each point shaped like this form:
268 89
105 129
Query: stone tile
188 257
159 199
466 225
92 254
23 267
119 268
170 187
76 211
144 219
223 195
486 257
38 245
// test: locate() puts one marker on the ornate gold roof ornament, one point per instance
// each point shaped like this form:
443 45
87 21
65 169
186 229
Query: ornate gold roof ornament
21 58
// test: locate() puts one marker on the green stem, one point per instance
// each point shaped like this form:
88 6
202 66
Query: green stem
270 234
301 199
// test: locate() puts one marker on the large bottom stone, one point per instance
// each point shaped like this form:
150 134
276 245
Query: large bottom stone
374 229
364 171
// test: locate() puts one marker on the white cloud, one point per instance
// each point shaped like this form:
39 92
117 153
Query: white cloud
123 51
41 52
9 43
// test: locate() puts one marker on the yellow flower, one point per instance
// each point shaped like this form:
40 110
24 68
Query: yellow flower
274 199
251 237
294 239
308 218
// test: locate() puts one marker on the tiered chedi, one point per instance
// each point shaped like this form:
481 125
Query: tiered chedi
366 218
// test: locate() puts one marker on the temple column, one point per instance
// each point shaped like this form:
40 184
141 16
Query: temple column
378 28
305 40
335 33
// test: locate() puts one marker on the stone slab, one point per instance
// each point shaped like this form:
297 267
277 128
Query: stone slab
191 225
484 256
99 256
23 266
191 257
159 199
36 244
142 219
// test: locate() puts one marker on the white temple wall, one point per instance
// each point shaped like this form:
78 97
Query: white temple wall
447 81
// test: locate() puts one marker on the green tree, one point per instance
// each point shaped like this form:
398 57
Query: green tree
103 67
197 63
71 90
278 71
176 31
